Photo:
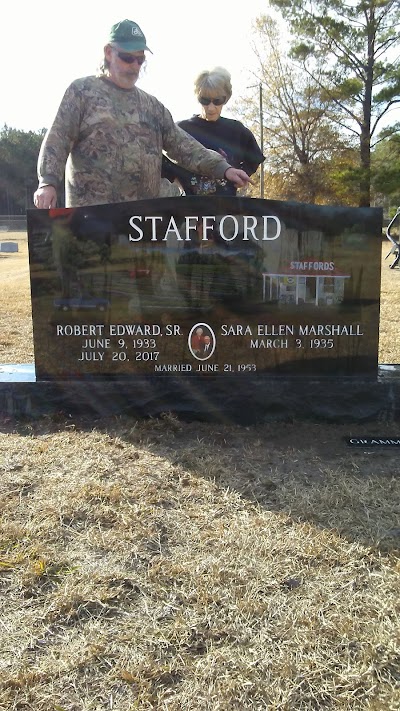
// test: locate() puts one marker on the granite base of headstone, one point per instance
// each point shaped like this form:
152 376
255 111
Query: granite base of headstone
229 309
335 399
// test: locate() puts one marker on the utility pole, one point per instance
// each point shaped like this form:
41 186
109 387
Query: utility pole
261 143
253 86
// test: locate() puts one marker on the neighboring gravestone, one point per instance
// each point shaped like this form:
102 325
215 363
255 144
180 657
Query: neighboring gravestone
8 246
198 286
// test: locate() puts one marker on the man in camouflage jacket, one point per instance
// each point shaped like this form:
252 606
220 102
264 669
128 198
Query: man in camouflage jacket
108 136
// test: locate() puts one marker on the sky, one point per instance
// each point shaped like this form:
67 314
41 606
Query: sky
46 45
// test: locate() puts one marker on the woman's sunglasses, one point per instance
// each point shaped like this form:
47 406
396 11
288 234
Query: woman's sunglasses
130 58
205 101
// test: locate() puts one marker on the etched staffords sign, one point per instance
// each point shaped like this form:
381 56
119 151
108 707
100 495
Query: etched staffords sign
199 285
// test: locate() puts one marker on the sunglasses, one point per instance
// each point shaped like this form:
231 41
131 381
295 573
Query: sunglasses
205 101
130 58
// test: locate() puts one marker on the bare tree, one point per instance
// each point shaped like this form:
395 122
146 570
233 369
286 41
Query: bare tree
300 140
350 49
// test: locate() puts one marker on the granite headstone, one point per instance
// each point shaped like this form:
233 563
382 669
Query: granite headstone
201 286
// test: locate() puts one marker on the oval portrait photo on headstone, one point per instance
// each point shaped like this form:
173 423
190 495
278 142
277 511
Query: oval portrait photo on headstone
201 341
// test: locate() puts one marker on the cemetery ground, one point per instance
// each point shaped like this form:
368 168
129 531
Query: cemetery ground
160 564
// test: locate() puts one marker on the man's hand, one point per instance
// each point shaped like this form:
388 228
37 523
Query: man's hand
45 197
238 177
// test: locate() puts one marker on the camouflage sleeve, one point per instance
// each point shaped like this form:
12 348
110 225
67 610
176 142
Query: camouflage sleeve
189 153
59 138
252 155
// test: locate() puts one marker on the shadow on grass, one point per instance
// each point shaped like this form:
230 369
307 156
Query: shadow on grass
303 469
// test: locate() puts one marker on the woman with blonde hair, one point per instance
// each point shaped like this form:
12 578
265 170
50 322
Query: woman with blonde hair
228 137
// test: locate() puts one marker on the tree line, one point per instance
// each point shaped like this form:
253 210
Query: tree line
19 152
327 100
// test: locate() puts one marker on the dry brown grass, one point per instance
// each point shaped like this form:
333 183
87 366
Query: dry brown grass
389 341
155 564
16 335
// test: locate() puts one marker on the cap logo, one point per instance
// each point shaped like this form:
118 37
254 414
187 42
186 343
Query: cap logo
137 32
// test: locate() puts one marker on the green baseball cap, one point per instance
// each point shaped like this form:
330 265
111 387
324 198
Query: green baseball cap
128 36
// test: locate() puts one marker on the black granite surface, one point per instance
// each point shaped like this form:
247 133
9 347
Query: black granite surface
219 309
247 401
223 286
